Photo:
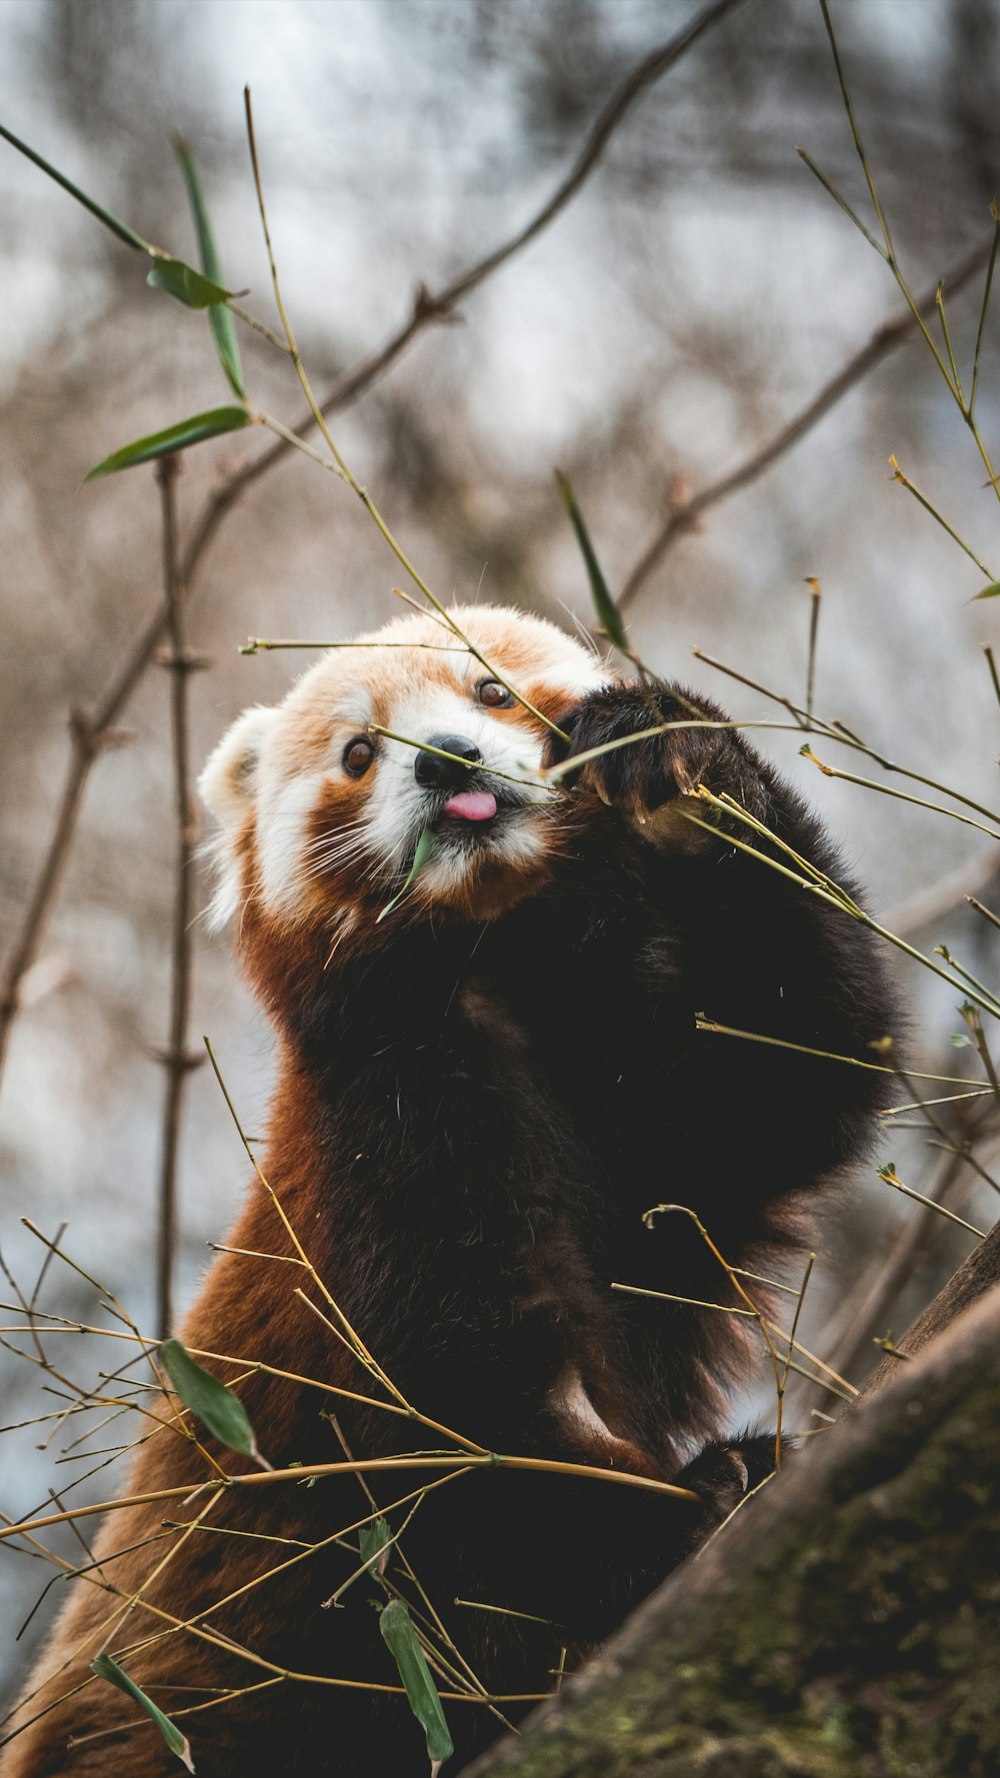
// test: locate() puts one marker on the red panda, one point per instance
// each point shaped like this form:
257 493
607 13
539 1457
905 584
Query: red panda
489 1068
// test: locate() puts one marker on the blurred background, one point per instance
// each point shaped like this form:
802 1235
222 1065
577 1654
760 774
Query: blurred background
692 298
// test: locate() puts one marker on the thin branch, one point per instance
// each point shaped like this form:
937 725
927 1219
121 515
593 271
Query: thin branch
430 307
929 507
991 663
359 1466
176 1058
684 514
902 1253
815 601
949 895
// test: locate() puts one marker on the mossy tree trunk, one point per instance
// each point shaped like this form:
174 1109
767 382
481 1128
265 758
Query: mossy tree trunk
846 1625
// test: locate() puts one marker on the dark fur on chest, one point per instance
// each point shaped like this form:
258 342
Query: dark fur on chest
493 1109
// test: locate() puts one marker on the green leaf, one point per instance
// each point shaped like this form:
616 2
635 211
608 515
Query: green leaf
988 592
373 1539
198 290
215 1405
609 616
173 438
425 846
401 1639
121 229
186 284
107 1668
222 323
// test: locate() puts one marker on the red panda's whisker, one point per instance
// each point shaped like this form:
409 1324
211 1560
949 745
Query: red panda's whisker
319 867
337 833
335 843
333 847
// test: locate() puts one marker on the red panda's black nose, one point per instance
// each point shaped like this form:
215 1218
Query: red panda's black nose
433 772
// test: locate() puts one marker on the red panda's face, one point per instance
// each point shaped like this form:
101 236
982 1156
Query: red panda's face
321 813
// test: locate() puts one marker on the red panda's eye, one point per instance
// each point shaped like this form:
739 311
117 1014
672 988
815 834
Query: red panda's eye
358 756
494 695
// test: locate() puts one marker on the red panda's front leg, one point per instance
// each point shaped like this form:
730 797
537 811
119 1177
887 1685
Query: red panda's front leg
722 933
663 747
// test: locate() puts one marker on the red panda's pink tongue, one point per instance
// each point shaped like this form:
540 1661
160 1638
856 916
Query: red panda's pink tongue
472 805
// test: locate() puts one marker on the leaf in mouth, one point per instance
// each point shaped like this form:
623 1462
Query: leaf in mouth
425 846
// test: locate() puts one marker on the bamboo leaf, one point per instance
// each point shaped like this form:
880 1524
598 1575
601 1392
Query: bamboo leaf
425 846
107 1668
988 592
609 616
198 290
173 438
215 1406
189 286
401 1639
117 227
221 321
373 1539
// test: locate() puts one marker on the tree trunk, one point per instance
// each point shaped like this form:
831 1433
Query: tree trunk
846 1625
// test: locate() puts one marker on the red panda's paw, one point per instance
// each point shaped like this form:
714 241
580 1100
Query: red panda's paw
663 746
723 1475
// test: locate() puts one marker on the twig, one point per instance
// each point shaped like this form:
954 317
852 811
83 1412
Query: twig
838 731
361 1465
815 601
985 911
991 663
818 883
870 1303
889 1176
949 371
430 307
947 896
929 507
176 1058
920 802
684 514
337 464
89 736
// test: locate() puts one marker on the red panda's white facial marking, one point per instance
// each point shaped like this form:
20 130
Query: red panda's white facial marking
321 812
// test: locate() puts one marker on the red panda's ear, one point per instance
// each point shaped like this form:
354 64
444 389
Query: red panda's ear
227 787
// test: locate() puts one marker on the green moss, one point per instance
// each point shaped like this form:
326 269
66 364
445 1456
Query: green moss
861 1640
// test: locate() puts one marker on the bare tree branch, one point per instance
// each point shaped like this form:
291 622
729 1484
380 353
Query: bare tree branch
176 1058
684 514
429 307
949 895
89 736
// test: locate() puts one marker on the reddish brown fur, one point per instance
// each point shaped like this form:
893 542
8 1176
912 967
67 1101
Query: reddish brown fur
472 1112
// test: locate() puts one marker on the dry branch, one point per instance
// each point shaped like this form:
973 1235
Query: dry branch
176 1058
683 515
429 307
89 735
949 895
867 1309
